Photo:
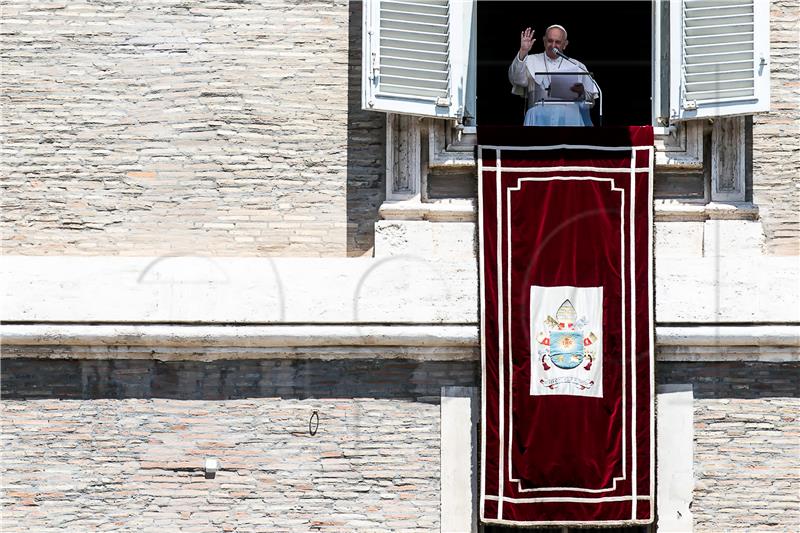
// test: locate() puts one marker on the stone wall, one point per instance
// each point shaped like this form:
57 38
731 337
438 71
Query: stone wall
235 129
117 445
776 147
746 425
165 127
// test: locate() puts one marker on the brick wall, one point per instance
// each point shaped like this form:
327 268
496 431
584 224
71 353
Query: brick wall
118 453
115 444
222 128
747 429
154 128
776 141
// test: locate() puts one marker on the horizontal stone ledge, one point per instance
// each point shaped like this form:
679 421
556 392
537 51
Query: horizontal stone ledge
766 344
244 336
420 342
213 353
465 210
722 335
674 211
666 161
455 210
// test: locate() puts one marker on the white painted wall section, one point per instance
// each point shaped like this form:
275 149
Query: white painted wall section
675 458
410 288
459 445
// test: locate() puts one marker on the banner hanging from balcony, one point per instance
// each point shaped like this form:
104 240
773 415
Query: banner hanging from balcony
567 346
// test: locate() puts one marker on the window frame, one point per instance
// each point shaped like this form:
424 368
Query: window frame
448 146
680 110
460 100
666 70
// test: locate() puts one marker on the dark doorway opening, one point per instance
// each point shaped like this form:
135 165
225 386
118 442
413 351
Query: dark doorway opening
612 38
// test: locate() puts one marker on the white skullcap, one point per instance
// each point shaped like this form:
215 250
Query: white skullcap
560 27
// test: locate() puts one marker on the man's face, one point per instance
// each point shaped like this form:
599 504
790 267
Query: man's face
554 38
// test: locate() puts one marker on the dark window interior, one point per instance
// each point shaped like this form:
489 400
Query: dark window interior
612 38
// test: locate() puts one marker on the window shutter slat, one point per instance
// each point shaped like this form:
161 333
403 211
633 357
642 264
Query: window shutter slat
389 44
411 58
423 8
407 26
719 39
720 58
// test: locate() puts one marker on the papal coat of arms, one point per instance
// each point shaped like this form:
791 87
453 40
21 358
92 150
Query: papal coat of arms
566 348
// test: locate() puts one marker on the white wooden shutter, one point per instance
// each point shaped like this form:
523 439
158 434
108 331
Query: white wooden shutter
719 58
416 55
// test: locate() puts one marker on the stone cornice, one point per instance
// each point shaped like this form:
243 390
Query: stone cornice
768 343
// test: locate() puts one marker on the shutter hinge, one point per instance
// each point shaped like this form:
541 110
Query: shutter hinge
443 101
690 105
374 70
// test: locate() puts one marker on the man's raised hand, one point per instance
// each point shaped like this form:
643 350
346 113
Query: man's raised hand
526 41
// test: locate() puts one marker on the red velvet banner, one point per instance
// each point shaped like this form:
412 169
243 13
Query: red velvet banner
566 326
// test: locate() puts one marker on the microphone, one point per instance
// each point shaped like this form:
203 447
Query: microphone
562 55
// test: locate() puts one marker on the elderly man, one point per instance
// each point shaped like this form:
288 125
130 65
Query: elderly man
553 98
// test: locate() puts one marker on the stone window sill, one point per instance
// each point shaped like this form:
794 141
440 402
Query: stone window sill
465 210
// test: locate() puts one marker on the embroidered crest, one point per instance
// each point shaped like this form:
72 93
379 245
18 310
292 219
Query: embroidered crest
563 342
566 347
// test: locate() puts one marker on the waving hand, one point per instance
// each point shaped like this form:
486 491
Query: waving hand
526 41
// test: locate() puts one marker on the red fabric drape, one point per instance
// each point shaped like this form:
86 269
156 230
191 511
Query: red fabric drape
566 256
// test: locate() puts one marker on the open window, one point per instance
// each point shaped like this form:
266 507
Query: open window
670 59
619 56
719 53
417 57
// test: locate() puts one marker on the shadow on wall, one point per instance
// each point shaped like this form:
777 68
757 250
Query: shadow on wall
366 150
734 380
397 379
81 379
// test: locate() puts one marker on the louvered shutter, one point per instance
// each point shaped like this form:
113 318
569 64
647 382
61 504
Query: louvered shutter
719 58
416 55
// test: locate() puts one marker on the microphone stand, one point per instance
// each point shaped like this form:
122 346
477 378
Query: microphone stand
561 54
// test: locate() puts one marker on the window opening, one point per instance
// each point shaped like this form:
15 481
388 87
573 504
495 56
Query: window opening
619 54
